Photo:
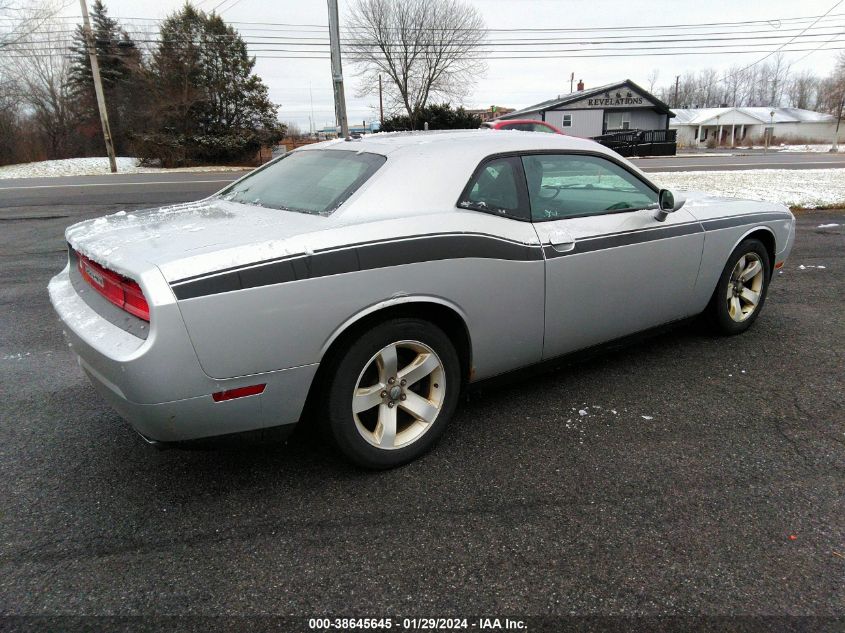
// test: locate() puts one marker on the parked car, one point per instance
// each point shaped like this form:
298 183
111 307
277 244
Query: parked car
375 278
522 125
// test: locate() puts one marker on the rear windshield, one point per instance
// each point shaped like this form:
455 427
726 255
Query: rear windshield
310 181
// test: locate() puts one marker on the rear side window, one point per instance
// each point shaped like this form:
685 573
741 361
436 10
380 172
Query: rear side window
310 181
495 189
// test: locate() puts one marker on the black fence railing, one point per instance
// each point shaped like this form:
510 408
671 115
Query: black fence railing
641 142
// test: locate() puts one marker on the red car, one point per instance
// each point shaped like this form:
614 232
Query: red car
523 125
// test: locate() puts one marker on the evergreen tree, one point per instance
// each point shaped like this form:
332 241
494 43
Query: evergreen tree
209 104
438 116
121 73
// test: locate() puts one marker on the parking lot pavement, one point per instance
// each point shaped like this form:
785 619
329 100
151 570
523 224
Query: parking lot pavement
683 474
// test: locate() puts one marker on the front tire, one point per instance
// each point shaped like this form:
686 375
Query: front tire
392 393
741 291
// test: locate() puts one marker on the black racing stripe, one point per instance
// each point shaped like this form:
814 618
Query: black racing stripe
626 238
366 256
324 250
740 220
425 248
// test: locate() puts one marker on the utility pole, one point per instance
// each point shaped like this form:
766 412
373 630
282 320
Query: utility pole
677 79
312 129
337 70
98 86
380 103
571 81
835 146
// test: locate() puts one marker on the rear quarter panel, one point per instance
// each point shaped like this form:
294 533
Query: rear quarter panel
291 324
726 223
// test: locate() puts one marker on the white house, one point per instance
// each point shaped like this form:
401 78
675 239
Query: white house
739 126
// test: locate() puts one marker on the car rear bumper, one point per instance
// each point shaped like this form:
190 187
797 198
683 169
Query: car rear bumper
157 383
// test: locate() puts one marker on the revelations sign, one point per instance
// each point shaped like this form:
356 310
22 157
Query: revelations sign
614 101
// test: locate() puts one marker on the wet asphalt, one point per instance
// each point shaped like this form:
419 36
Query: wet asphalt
707 477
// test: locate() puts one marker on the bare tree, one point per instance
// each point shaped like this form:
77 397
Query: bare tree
425 49
831 90
22 19
653 76
801 89
292 130
770 84
39 74
779 80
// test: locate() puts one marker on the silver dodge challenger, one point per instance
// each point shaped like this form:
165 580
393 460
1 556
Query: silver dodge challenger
373 279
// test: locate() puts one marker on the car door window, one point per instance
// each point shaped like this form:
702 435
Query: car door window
568 185
495 189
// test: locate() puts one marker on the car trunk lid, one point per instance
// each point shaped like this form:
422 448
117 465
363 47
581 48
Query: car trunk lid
187 239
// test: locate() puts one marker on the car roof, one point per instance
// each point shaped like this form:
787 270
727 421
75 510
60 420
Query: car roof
426 171
481 142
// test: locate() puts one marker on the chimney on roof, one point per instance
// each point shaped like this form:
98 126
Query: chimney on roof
580 85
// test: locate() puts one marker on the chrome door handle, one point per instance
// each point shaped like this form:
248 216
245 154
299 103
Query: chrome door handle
561 241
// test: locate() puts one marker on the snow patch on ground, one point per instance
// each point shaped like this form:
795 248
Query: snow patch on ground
807 148
808 188
826 226
18 356
92 167
812 147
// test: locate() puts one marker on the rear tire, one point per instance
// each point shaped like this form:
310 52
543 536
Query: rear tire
741 292
392 393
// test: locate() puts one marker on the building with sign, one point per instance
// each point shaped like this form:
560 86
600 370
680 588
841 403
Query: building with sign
596 111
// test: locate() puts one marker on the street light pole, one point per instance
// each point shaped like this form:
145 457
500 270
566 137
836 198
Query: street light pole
770 132
98 86
337 70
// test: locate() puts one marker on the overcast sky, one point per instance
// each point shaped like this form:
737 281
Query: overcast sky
513 83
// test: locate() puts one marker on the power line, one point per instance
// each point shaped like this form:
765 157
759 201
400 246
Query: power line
231 6
803 57
501 57
598 42
773 23
781 48
793 39
508 39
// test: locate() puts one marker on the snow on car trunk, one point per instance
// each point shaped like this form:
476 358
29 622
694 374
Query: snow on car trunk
188 239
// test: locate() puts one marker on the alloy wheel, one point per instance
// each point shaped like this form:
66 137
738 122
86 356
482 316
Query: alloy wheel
745 287
399 394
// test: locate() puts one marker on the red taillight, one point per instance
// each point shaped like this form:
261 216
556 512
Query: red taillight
134 301
121 291
240 392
